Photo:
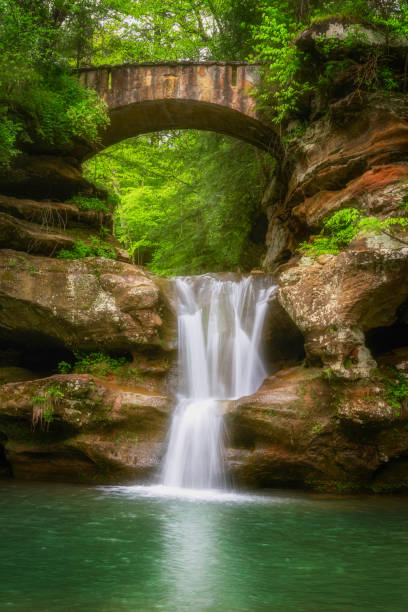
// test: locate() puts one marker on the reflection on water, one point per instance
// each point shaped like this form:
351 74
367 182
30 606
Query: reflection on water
143 549
191 556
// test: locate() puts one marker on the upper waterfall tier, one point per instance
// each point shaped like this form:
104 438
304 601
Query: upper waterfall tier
220 335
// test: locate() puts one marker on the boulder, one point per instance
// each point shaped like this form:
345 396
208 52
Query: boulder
80 428
335 299
83 304
304 428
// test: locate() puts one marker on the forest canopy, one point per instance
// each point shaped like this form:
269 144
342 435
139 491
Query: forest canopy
176 191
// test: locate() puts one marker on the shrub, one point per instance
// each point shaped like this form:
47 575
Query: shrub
43 407
97 364
85 203
337 232
396 388
64 367
96 248
101 364
340 229
9 130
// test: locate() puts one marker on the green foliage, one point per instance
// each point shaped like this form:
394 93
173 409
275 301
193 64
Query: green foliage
344 225
44 405
329 375
64 367
127 436
317 428
392 224
153 30
48 415
86 203
347 363
98 364
9 131
291 76
337 232
396 385
38 399
62 110
187 200
283 85
96 248
40 100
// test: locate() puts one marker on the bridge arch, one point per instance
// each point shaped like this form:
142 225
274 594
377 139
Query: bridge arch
209 96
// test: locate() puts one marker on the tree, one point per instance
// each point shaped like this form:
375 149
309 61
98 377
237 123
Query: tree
39 98
187 199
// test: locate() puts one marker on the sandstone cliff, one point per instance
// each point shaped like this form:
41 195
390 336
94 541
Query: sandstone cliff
334 413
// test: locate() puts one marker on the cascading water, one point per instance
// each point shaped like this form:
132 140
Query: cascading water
220 325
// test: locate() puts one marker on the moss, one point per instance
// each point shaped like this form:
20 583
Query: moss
317 428
127 436
7 276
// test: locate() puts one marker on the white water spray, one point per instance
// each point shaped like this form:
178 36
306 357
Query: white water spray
220 325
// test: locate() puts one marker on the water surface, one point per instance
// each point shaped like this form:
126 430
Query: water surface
137 549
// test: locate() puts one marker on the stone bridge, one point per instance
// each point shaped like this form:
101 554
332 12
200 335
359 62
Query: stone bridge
178 95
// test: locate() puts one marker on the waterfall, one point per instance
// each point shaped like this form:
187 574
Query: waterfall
220 327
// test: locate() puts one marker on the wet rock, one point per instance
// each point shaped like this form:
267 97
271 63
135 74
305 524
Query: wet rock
77 427
304 428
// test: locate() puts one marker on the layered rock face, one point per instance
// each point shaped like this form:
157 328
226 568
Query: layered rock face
77 427
357 157
336 424
48 174
336 299
46 227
